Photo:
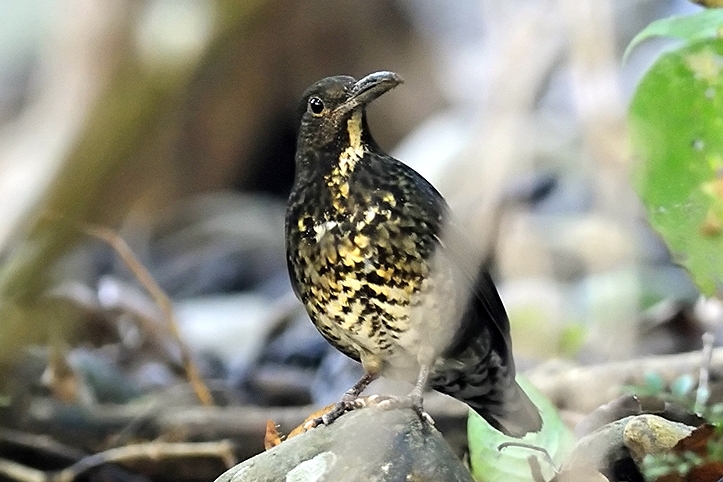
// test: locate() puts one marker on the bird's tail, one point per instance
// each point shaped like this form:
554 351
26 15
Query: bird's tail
478 368
515 416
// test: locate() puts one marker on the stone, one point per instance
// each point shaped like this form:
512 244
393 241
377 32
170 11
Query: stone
652 435
370 444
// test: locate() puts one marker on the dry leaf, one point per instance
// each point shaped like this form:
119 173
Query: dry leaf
697 442
272 437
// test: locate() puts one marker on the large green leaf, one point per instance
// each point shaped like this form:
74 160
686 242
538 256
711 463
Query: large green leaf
489 464
704 24
676 127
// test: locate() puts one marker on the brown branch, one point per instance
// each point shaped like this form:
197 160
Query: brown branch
154 451
149 451
703 392
584 388
10 438
21 473
145 278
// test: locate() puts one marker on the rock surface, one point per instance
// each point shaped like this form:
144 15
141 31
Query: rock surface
370 444
617 447
652 435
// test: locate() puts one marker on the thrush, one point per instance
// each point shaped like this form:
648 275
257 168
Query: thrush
380 266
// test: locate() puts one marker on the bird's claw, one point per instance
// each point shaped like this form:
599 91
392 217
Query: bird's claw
385 402
345 405
412 401
415 399
424 416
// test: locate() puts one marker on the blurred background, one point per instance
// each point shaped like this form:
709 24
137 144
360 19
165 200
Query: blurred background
172 122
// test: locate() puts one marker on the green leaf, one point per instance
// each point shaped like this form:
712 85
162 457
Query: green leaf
676 128
489 464
704 24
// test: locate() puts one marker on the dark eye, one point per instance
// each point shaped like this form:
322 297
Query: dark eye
316 105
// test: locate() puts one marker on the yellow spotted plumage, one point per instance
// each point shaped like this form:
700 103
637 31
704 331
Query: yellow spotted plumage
365 258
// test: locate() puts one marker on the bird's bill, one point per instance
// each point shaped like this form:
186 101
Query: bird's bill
369 88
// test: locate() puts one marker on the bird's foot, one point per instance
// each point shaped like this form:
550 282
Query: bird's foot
413 401
347 404
416 401
385 402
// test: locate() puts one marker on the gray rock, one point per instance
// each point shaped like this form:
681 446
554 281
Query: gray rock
601 449
649 434
370 444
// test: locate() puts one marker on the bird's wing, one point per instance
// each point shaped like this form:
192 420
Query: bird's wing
482 304
292 274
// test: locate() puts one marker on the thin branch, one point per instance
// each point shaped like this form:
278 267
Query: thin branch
584 388
146 451
40 443
21 473
145 278
522 445
149 451
703 392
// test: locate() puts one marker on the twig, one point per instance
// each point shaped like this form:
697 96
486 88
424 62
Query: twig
44 444
584 388
21 473
522 445
149 451
703 392
146 280
243 424
145 451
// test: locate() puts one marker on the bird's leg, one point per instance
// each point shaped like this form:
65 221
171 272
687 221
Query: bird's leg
348 402
372 368
415 399
361 385
415 396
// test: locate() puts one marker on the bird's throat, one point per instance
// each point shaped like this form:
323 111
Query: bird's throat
355 150
338 178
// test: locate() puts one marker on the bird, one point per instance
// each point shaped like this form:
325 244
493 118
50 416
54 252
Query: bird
382 267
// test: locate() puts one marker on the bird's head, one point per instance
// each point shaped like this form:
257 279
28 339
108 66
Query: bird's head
331 111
